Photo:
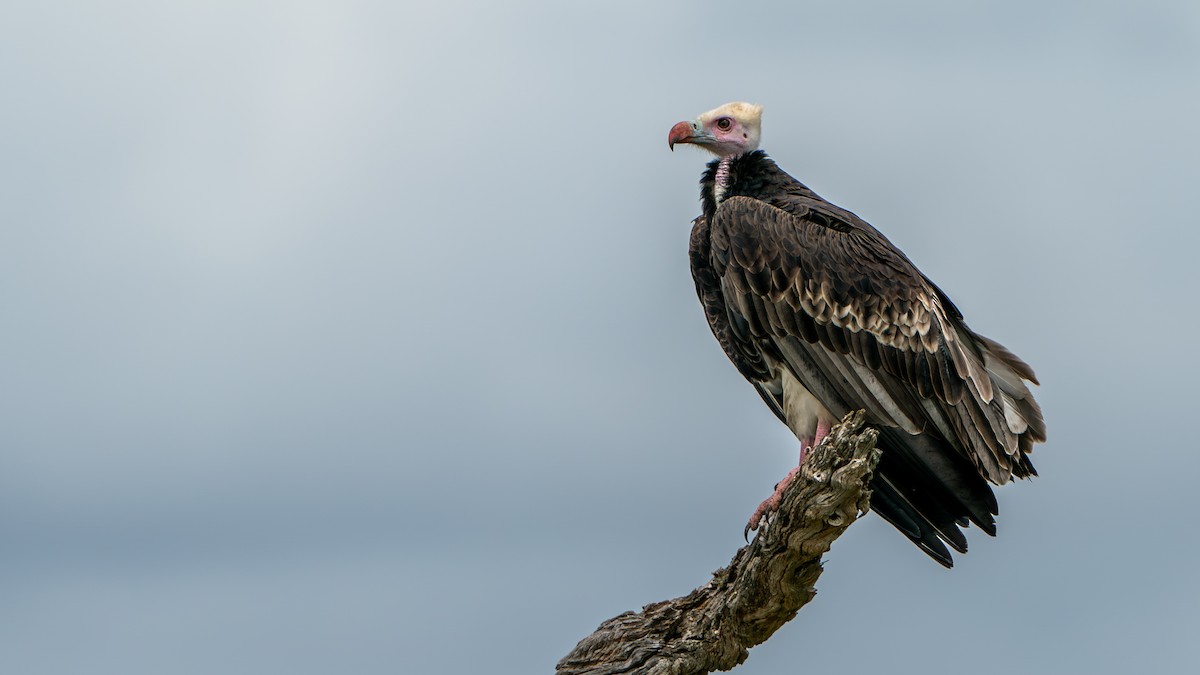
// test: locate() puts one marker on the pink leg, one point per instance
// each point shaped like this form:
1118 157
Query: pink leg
823 428
771 504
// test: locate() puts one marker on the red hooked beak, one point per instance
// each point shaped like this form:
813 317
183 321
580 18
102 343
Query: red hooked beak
680 133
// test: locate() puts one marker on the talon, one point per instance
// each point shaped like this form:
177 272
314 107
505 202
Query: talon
755 520
770 504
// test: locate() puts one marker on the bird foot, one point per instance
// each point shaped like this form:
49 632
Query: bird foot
770 504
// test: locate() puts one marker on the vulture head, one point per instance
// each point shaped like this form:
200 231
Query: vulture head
731 130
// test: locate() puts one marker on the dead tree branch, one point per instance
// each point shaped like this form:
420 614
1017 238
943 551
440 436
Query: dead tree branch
764 586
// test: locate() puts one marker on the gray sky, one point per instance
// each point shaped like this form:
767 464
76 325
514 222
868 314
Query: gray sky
359 336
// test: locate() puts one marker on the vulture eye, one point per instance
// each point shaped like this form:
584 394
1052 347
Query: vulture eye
724 124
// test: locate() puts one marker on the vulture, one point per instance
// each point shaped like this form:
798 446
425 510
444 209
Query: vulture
824 316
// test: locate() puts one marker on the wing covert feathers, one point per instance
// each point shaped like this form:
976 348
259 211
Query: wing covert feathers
872 319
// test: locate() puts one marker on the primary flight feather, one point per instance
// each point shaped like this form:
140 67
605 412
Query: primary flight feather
824 315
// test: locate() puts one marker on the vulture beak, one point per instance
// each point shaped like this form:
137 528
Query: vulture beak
688 132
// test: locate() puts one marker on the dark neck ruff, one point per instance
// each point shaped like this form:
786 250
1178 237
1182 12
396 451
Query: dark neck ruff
741 175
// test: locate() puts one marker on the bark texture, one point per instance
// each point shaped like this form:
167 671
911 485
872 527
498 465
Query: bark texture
765 584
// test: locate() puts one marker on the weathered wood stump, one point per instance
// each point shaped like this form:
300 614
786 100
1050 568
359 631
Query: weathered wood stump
765 584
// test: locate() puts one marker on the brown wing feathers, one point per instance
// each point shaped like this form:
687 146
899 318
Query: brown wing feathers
849 291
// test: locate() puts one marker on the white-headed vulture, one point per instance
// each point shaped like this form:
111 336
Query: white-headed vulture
824 315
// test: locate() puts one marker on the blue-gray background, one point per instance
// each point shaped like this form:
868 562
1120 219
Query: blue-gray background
358 337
